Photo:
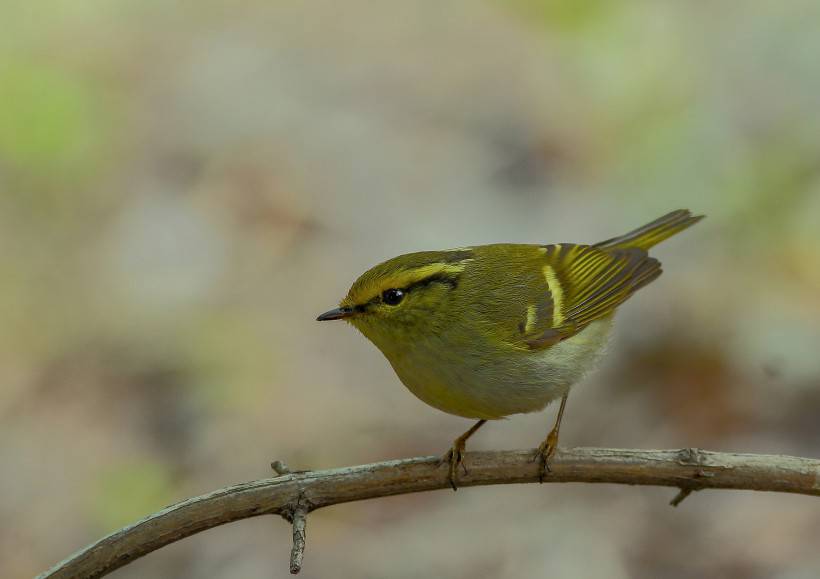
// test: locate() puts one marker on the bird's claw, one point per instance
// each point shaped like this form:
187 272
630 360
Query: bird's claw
544 453
453 458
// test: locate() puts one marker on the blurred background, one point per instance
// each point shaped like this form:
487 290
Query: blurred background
185 186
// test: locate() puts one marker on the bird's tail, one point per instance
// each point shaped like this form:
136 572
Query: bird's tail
654 232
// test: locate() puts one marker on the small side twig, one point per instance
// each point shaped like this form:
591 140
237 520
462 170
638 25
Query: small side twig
297 553
691 457
296 516
680 496
280 467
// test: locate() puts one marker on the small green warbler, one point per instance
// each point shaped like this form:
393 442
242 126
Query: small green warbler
489 331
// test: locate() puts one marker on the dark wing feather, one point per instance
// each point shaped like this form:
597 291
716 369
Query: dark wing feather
586 284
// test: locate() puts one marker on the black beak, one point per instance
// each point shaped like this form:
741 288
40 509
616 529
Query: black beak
335 314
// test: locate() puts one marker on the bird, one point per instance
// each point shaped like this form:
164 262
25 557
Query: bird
490 331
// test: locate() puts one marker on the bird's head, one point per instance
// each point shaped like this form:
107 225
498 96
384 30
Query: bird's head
401 299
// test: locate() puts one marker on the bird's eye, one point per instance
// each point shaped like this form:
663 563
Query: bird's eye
392 297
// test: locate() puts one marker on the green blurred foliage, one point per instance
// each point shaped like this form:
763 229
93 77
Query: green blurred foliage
580 16
49 121
127 491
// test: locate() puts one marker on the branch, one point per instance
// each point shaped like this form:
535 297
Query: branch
293 495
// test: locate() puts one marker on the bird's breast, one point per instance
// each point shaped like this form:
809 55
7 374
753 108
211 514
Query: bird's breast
482 381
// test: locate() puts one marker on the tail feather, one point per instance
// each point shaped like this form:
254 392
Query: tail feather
653 233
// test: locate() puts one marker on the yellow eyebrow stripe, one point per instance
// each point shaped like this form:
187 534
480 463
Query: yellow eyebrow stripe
404 279
411 276
557 293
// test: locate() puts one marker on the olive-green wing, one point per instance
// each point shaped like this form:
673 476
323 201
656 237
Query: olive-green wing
583 284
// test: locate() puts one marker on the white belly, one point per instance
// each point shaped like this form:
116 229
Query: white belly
477 385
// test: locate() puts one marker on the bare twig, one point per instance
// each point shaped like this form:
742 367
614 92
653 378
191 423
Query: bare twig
678 499
311 490
690 457
280 467
297 553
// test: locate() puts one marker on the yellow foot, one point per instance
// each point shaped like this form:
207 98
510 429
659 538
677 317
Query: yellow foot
544 453
454 457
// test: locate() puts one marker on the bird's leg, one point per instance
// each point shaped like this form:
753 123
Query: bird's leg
547 448
455 456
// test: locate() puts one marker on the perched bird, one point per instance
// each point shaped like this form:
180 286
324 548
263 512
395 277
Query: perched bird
493 330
